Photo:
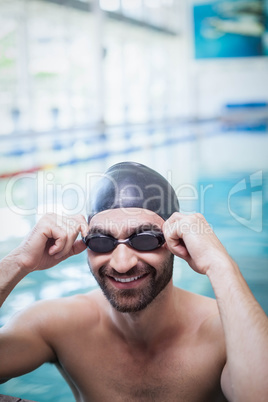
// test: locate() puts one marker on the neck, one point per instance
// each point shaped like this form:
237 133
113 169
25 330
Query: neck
156 322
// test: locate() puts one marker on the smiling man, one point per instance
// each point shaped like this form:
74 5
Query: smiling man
138 338
128 282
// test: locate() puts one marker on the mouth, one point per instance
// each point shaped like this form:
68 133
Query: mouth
128 282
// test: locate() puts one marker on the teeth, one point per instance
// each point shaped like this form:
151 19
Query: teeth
127 279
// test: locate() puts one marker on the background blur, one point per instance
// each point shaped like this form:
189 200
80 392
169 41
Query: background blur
181 86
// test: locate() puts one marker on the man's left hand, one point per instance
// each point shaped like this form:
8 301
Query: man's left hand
191 237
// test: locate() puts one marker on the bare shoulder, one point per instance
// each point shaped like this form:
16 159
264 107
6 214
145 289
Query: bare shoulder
36 334
47 316
73 310
202 312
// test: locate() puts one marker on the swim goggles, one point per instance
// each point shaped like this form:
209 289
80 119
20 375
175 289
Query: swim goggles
144 241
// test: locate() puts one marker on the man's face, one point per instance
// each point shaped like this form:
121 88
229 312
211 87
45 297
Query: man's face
129 279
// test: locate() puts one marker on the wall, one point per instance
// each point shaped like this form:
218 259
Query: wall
213 83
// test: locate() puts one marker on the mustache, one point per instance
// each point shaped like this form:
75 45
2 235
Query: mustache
137 270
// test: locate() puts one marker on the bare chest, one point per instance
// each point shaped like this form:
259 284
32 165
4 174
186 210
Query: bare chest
103 371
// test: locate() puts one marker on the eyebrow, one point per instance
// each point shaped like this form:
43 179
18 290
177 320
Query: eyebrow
99 229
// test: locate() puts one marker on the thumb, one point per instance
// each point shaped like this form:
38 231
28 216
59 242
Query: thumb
179 249
78 247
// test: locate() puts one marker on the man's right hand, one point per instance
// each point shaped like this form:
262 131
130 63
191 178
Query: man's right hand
24 344
52 240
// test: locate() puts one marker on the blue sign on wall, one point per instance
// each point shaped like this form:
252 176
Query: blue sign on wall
234 28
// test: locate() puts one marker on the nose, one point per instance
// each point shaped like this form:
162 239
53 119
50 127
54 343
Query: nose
123 258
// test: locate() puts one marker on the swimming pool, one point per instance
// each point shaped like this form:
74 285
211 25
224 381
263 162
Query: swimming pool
237 212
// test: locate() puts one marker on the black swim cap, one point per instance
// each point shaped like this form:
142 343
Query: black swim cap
132 185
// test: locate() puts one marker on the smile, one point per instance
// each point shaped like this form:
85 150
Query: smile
127 283
127 279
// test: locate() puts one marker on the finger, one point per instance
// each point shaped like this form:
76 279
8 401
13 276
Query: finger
174 237
60 239
78 247
180 250
82 225
180 226
172 232
71 237
176 216
75 225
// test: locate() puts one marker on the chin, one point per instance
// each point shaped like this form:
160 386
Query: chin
126 308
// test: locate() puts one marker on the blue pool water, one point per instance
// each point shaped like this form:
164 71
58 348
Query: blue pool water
238 214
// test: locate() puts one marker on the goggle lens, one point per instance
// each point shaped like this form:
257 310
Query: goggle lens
144 241
99 244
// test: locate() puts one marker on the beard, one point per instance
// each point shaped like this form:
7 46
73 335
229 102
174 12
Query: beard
135 299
